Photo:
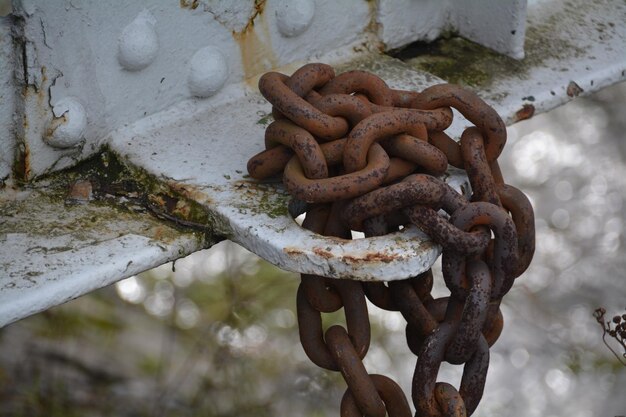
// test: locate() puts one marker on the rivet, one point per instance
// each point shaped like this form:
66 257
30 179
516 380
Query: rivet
67 128
208 71
294 16
138 43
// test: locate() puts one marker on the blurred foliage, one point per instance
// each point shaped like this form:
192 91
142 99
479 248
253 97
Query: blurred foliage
235 354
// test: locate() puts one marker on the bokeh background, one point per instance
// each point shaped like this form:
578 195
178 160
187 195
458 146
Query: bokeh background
215 334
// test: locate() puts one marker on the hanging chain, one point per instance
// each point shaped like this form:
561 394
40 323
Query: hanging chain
364 157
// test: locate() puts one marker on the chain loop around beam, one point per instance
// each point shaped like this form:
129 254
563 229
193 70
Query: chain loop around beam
359 156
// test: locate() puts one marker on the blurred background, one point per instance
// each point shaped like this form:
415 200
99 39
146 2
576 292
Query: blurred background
215 334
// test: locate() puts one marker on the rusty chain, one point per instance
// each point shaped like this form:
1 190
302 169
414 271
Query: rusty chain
360 156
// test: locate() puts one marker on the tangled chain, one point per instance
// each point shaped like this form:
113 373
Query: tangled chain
364 157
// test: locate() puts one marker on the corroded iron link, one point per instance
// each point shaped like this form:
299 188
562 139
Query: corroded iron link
374 88
390 392
382 125
449 400
360 385
474 314
305 146
340 187
359 156
295 108
504 262
477 167
473 108
521 211
422 153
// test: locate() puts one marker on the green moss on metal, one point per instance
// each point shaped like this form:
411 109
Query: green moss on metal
266 118
274 205
263 198
43 209
463 62
129 189
455 60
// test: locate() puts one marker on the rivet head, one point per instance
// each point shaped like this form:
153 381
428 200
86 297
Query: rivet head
67 127
138 44
293 17
208 72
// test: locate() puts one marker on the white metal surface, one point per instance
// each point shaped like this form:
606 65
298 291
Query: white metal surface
572 48
496 24
199 147
54 250
124 60
121 61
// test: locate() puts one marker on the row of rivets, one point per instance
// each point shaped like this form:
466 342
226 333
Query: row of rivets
138 47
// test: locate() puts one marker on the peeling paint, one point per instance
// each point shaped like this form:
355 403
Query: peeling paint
235 16
8 96
573 89
189 192
21 167
35 105
293 251
323 253
526 112
371 257
259 7
67 127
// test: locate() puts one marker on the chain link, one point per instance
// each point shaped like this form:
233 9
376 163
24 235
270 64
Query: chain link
359 156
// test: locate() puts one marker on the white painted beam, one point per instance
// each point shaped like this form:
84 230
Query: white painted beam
570 50
117 61
53 249
496 24
121 61
573 48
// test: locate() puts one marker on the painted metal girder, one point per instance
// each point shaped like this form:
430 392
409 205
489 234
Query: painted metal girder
55 248
573 50
199 150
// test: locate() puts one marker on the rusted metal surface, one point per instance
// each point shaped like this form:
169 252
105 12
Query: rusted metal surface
342 185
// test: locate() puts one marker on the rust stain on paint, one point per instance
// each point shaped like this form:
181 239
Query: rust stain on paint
526 112
573 89
255 46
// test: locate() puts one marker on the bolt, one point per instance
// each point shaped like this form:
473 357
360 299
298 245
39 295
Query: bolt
294 17
208 71
68 125
138 43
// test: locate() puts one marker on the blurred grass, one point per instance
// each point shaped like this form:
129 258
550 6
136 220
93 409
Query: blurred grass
102 356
